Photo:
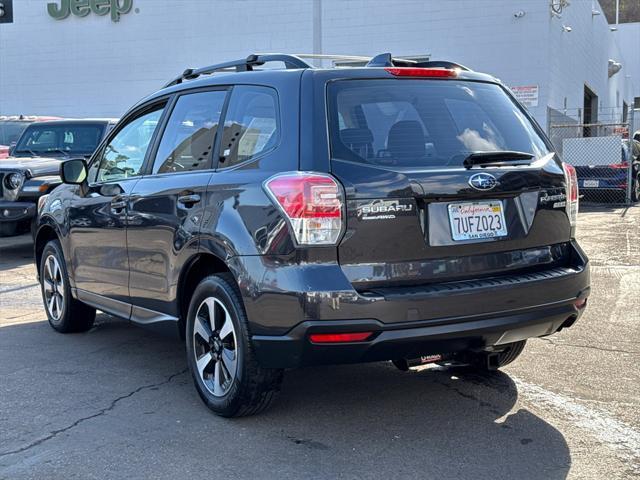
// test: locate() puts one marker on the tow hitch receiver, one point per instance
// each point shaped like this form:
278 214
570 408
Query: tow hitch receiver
492 360
405 364
485 360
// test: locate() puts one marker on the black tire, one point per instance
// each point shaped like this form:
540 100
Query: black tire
635 190
512 352
480 362
74 316
252 388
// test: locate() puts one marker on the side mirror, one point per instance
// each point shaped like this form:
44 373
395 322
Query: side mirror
74 172
12 147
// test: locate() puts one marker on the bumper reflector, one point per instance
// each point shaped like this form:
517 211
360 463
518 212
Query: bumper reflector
580 303
339 337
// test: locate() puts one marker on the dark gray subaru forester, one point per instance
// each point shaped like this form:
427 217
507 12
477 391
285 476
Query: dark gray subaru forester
274 218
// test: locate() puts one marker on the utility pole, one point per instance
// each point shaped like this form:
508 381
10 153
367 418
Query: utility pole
317 30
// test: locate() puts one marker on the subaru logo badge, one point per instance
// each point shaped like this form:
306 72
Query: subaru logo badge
483 181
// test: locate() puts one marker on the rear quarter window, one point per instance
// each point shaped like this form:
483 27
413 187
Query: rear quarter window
251 127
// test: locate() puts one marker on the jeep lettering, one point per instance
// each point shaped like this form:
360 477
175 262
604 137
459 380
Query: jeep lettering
82 8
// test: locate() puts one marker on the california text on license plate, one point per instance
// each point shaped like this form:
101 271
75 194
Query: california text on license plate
477 220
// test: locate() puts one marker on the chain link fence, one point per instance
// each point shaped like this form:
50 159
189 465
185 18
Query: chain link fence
603 151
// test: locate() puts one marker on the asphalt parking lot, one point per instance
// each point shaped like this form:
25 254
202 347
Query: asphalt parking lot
117 402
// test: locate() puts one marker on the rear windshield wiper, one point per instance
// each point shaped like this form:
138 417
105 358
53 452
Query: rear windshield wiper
498 158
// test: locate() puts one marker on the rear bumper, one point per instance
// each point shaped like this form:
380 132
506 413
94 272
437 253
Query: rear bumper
16 211
410 341
290 302
617 180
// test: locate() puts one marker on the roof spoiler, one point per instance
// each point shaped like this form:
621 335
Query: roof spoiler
386 60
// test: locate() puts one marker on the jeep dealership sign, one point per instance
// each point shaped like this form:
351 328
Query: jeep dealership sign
82 8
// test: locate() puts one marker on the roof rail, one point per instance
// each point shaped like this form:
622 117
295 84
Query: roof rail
386 60
242 65
295 61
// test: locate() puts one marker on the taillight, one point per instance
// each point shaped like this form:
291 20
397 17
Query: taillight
421 72
571 179
312 203
619 165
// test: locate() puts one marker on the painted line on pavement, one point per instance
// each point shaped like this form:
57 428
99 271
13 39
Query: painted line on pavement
609 431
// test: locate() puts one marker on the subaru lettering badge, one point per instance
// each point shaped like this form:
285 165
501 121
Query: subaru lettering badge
483 181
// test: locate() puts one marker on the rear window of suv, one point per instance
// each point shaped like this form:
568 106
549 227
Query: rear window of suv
425 123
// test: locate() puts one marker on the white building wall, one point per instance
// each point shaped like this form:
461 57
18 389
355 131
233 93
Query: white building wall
483 35
581 57
93 67
628 40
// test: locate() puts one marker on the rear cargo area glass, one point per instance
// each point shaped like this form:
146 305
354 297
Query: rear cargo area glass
425 123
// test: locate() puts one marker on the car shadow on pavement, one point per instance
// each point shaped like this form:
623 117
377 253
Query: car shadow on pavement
443 422
119 383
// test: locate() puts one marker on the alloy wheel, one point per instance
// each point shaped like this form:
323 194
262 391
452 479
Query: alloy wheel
53 286
215 346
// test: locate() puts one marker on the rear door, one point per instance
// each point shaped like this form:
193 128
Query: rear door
415 213
166 206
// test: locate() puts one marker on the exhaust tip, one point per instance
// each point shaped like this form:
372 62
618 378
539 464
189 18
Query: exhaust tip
568 322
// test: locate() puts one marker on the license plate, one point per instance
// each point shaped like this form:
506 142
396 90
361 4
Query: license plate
477 220
591 183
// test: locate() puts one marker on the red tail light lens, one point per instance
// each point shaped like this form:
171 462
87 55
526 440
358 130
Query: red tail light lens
312 203
571 180
421 72
619 165
339 337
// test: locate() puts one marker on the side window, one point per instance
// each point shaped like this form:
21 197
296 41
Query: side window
251 124
187 142
124 155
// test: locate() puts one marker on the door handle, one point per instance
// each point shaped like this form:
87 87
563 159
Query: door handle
189 200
